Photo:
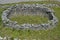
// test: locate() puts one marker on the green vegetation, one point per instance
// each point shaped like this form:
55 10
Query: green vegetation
53 34
29 19
1 10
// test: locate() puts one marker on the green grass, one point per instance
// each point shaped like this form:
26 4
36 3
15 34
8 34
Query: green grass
29 19
1 10
53 34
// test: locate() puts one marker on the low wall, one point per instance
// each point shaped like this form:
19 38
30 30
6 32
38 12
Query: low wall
52 22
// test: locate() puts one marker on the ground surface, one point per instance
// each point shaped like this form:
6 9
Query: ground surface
29 19
53 34
15 1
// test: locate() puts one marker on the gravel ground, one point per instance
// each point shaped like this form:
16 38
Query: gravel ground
14 1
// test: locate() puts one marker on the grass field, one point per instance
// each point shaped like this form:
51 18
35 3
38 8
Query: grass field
52 34
29 19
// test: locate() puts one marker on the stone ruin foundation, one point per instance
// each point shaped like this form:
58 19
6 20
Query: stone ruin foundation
29 9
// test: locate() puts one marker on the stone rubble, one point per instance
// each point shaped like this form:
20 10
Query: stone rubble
8 38
28 9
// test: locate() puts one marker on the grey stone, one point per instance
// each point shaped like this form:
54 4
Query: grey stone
28 9
1 38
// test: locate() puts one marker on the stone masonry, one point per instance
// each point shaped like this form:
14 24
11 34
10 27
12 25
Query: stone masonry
28 9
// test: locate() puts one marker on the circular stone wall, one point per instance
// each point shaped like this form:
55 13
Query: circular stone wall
28 9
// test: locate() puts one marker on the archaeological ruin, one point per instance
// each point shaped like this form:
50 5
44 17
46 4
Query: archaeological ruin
29 9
